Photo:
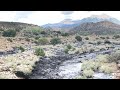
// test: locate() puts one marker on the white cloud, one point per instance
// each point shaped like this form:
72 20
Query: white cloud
22 14
45 17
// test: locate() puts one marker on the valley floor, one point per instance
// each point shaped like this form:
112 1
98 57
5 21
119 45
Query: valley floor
86 59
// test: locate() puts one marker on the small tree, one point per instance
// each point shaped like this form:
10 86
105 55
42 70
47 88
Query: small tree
78 38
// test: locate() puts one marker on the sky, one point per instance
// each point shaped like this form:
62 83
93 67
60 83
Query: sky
45 17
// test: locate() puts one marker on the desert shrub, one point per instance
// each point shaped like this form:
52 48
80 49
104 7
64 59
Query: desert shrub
78 38
99 42
114 57
102 49
66 50
88 73
69 46
86 38
107 68
27 39
55 41
36 38
116 36
102 58
43 32
107 42
107 38
90 65
9 33
102 37
39 52
64 34
91 50
97 38
43 41
21 48
90 43
9 39
35 41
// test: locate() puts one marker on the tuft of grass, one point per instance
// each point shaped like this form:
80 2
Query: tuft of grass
39 52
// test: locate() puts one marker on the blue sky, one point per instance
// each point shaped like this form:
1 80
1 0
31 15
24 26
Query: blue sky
45 17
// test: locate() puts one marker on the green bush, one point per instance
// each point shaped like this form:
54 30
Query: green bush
64 34
69 46
39 52
55 41
9 33
21 48
36 38
87 38
78 38
43 32
43 41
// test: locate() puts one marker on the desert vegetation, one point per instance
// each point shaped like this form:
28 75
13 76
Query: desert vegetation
64 52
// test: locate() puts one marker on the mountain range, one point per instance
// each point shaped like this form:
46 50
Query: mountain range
67 24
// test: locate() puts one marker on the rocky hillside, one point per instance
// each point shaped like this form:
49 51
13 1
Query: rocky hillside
22 29
14 25
67 24
103 27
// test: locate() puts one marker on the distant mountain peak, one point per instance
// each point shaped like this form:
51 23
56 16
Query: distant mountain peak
102 16
67 21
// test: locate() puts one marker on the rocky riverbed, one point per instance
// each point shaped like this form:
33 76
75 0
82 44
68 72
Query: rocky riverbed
61 65
66 67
